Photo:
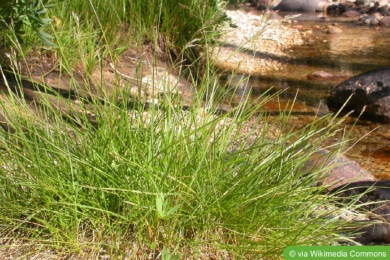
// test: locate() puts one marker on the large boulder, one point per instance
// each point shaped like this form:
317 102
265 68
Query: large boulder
301 5
367 93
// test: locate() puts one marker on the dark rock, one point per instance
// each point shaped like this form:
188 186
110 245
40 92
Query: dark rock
380 7
368 93
374 9
349 181
335 10
360 2
376 199
384 10
301 5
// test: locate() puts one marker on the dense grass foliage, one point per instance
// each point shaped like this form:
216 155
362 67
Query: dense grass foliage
160 179
183 24
156 182
179 30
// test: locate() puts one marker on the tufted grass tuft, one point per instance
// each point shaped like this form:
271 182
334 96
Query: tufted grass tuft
148 181
89 31
156 182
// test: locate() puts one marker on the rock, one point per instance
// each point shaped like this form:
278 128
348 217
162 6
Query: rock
378 7
264 4
372 11
384 10
385 21
376 197
322 75
372 19
333 30
301 5
336 9
344 170
351 13
369 92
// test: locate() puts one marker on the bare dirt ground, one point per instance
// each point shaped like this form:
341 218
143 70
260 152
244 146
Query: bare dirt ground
134 73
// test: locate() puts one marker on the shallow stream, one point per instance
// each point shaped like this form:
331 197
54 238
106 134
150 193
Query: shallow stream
357 49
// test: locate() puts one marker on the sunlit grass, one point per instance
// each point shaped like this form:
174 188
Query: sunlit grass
145 182
186 181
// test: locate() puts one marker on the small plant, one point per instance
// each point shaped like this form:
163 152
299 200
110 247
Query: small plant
164 210
166 255
14 15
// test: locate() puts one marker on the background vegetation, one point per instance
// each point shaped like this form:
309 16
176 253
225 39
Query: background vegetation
31 13
157 182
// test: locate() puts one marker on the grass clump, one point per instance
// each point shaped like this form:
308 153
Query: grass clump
178 30
155 181
148 180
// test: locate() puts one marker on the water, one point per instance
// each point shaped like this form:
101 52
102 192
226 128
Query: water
358 49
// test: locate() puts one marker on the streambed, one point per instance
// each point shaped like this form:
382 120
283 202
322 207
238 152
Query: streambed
357 49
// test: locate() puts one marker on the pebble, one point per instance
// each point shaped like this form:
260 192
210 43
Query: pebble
333 30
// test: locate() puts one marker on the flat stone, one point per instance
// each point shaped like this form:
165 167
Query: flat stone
333 30
342 170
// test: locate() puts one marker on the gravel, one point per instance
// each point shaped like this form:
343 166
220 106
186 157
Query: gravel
254 44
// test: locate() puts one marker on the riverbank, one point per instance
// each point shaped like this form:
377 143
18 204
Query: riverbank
338 56
104 156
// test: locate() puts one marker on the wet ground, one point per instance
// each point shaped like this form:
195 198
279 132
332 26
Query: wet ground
357 49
